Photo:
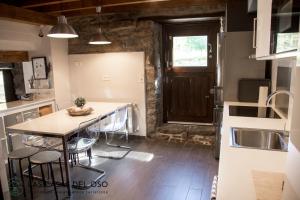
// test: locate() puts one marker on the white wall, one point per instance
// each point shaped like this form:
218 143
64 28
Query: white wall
16 36
61 74
111 77
238 48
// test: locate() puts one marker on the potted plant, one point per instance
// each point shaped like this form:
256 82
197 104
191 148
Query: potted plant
80 102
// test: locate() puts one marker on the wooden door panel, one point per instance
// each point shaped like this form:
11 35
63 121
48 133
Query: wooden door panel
186 88
197 101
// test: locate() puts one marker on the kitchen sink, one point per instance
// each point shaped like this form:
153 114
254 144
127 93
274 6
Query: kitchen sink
259 139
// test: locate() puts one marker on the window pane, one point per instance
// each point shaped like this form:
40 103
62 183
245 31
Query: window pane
190 51
2 91
287 42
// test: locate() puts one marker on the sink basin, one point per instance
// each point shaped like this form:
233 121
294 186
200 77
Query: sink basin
259 139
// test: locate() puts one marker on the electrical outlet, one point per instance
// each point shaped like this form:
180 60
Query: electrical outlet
141 79
77 63
106 78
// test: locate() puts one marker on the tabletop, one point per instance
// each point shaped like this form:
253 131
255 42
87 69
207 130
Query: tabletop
61 123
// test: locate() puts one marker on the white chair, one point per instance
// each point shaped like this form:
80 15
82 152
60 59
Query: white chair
114 123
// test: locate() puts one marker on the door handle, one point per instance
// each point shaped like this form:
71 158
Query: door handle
254 33
207 96
209 50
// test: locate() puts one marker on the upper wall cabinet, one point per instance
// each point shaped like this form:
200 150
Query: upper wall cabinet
276 29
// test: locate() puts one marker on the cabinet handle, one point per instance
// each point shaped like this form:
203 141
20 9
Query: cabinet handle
254 33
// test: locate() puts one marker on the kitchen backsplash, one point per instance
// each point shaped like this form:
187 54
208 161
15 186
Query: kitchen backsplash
283 83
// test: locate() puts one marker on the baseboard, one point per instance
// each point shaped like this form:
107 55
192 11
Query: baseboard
190 123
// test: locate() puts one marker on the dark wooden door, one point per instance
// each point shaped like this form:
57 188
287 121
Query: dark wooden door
189 71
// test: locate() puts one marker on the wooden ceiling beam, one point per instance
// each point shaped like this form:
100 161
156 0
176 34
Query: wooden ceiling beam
111 6
24 15
38 3
88 4
13 56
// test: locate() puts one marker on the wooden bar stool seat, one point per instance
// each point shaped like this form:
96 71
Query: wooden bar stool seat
20 154
23 153
47 157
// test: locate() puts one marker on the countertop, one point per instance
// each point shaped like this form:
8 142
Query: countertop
236 164
4 107
268 185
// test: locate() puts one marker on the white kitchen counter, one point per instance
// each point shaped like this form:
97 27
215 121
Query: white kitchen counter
13 105
236 164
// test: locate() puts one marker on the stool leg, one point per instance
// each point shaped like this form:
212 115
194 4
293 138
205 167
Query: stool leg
61 172
89 152
74 157
9 168
71 157
53 179
22 177
43 175
30 178
77 157
48 172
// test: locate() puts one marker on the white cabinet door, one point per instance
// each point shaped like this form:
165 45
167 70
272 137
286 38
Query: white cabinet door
263 30
28 74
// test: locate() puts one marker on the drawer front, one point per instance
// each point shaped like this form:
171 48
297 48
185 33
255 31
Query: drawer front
45 110
31 114
13 119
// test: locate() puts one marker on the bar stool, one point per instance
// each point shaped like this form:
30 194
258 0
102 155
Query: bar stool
19 155
46 157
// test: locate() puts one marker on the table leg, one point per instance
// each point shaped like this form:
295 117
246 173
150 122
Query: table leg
66 159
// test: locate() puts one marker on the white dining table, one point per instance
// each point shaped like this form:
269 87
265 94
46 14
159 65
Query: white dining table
61 125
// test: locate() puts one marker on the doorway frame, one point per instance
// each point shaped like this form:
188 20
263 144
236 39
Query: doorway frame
165 58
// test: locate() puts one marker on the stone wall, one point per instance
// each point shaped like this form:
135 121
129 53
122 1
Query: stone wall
133 32
127 36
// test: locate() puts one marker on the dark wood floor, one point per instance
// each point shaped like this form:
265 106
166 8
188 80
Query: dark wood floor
154 170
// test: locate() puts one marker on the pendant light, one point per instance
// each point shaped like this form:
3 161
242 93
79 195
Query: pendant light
62 29
99 38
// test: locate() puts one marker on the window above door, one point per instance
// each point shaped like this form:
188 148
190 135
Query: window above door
190 51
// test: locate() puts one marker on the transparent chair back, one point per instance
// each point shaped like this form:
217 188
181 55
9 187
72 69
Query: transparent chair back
32 140
117 121
84 142
112 123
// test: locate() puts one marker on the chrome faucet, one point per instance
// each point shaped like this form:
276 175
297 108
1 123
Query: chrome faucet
278 92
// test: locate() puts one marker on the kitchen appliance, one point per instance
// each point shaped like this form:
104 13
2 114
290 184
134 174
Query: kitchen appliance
7 82
218 94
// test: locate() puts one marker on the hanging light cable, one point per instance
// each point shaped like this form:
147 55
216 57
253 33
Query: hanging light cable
62 29
99 38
